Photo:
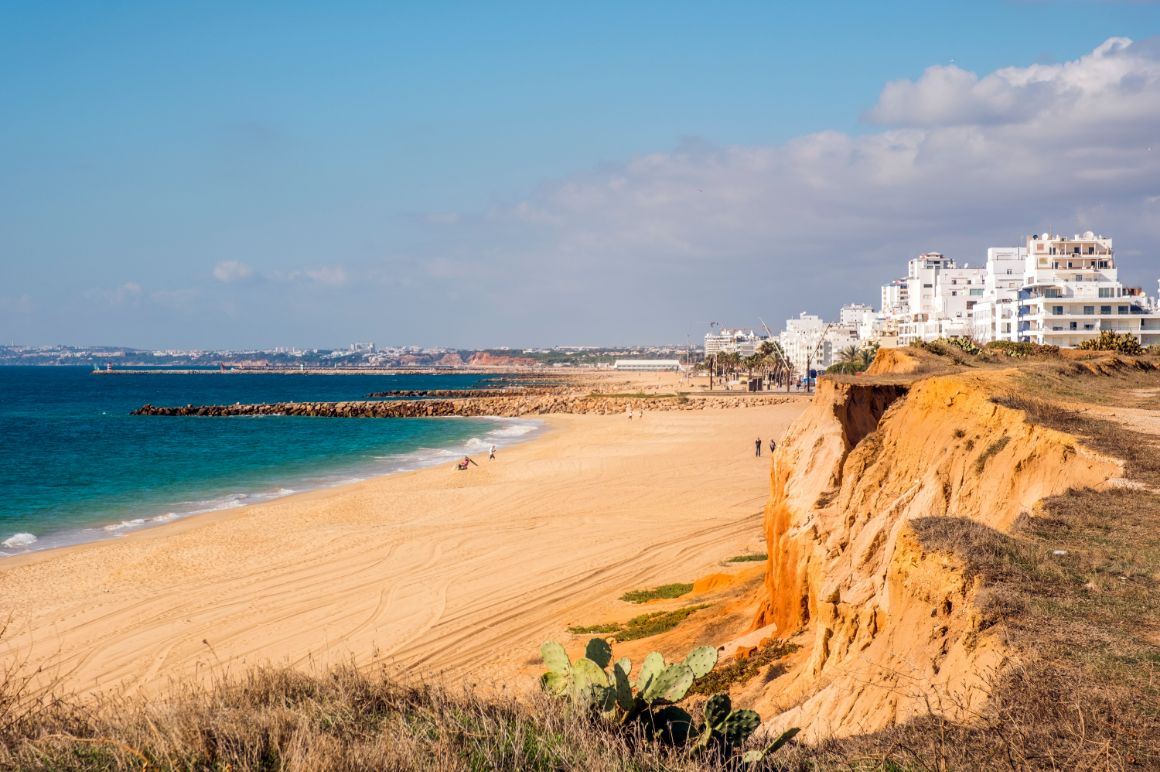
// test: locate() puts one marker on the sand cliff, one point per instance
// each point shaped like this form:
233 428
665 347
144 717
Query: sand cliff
887 627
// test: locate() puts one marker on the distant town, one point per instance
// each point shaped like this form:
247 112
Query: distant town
1053 290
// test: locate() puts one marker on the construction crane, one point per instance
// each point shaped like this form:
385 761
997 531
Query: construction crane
812 355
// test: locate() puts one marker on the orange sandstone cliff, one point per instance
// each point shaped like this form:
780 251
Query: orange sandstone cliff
888 629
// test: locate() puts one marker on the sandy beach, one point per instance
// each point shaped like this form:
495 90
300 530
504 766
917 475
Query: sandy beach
434 572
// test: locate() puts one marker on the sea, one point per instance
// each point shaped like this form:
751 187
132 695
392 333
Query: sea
75 466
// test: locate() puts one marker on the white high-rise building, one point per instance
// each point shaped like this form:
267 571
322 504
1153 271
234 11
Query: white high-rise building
940 296
1071 292
996 314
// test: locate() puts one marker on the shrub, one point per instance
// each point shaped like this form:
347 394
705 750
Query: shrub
647 706
1021 349
1108 340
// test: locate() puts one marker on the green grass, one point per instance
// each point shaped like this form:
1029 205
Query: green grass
736 671
750 558
665 591
642 626
992 449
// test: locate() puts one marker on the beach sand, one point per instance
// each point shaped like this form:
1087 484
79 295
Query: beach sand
435 572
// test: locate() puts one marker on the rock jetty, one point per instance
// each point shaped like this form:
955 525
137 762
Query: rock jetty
506 406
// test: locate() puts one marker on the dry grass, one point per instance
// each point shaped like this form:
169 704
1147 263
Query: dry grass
345 719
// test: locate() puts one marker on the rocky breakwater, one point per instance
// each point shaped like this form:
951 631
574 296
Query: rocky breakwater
505 406
888 627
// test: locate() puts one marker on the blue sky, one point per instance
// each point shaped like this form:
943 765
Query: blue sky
441 173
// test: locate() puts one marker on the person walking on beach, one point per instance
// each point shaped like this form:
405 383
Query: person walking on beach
757 447
628 412
491 454
772 445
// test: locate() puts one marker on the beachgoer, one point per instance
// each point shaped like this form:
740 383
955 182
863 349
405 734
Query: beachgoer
491 454
757 447
465 463
772 445
628 412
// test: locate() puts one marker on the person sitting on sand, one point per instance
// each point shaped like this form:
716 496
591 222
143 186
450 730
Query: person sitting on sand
462 465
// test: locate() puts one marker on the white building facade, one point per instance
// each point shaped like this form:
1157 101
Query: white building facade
1071 292
811 343
939 298
731 341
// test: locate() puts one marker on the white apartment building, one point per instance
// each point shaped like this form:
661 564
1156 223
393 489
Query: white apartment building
811 343
726 340
1071 292
939 298
996 315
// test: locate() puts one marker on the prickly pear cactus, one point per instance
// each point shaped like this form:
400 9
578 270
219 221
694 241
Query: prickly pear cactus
652 666
740 725
717 709
583 680
669 685
701 660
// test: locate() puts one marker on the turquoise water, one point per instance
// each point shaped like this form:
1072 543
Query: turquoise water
75 466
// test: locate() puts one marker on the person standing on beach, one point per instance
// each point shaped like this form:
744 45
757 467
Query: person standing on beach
772 445
491 454
757 447
628 412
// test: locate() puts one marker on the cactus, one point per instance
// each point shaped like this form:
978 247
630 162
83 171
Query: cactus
701 660
653 664
669 685
649 701
584 680
726 728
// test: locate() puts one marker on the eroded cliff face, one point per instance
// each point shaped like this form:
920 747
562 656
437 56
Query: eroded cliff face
888 627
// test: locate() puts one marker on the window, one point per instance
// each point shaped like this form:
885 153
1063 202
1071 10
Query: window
1106 292
1057 310
1105 309
1052 293
977 292
1073 325
1089 309
1124 310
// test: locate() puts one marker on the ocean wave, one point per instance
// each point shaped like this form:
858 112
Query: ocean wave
134 523
17 540
515 430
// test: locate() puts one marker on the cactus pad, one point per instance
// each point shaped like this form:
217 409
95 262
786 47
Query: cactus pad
669 685
739 725
717 709
701 660
555 658
625 664
599 652
653 664
624 697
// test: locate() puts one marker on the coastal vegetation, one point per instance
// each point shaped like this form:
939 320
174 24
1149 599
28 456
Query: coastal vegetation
751 557
1109 340
642 626
665 591
644 702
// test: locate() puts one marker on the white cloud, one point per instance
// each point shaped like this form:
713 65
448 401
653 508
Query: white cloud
230 271
977 162
331 276
20 304
1114 73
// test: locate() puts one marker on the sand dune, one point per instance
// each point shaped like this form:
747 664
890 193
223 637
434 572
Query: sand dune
437 571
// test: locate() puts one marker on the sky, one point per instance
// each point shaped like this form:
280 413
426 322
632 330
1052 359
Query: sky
234 175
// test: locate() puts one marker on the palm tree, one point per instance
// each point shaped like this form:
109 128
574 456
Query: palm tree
849 360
